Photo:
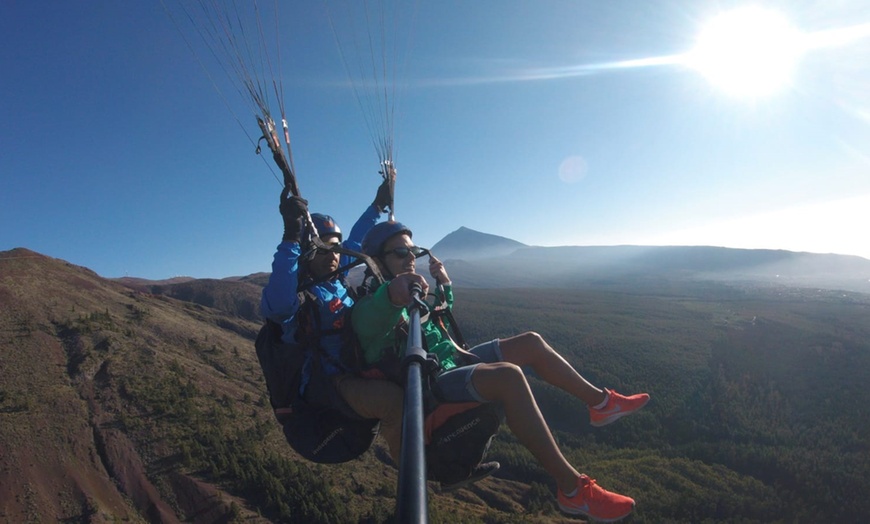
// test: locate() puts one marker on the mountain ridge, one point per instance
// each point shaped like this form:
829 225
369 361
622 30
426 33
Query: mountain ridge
516 265
477 259
466 243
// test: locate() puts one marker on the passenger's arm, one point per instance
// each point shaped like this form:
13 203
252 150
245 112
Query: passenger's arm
362 226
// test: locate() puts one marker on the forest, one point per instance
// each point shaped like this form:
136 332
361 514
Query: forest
751 418
756 393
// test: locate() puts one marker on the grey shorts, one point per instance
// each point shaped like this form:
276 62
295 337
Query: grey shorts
456 386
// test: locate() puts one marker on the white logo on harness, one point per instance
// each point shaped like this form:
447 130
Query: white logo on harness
459 432
326 441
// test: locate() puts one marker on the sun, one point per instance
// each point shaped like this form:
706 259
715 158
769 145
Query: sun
748 52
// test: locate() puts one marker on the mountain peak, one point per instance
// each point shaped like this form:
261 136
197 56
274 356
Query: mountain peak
468 244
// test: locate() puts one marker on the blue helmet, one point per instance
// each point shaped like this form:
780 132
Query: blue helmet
325 225
373 243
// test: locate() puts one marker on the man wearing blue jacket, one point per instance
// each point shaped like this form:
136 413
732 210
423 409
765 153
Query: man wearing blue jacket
293 272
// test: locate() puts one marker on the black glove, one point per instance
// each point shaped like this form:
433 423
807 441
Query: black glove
383 200
294 209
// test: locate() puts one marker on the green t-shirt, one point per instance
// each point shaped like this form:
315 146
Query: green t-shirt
375 319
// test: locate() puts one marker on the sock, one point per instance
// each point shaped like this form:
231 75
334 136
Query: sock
603 402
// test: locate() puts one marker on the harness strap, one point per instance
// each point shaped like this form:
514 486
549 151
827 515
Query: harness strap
456 337
361 258
310 327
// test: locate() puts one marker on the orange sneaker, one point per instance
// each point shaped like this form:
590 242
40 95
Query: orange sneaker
617 407
595 502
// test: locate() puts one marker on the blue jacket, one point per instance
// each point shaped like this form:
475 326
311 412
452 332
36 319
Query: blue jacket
280 302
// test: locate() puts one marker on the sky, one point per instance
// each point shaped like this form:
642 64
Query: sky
124 147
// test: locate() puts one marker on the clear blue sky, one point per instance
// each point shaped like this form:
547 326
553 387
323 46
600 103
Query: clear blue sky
548 122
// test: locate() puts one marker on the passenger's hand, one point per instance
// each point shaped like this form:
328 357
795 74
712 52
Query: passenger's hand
436 269
400 288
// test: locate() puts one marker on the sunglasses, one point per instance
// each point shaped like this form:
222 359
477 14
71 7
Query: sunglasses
326 251
403 252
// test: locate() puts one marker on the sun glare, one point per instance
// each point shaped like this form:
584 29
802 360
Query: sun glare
749 51
822 227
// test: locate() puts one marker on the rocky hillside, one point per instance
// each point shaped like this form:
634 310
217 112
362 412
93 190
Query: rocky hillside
84 361
117 403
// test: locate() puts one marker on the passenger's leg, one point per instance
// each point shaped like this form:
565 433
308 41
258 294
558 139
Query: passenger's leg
505 383
530 349
380 399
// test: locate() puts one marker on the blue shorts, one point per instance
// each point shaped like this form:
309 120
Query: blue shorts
456 386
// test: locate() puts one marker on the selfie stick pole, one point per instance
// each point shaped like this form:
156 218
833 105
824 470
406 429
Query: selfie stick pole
412 503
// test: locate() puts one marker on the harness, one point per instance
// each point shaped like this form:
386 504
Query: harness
456 435
310 331
318 424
